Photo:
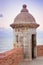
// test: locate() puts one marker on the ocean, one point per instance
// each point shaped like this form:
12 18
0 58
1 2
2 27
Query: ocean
6 40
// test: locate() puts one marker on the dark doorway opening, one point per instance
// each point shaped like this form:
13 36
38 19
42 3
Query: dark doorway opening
33 45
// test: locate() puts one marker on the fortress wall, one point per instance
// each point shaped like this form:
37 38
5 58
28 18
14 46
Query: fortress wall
12 57
40 50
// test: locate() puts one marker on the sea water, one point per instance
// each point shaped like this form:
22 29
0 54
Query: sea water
6 40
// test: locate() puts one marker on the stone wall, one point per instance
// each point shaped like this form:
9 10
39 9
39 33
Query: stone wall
24 37
40 50
12 57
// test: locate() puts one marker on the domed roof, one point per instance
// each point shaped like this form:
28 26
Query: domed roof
24 16
24 19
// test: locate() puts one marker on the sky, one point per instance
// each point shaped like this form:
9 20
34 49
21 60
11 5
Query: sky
9 9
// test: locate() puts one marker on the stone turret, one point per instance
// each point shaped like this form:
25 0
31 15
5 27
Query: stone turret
25 32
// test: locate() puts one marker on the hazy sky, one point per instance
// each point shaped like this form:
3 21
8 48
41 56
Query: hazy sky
10 8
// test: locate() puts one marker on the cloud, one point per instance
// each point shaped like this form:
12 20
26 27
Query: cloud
1 15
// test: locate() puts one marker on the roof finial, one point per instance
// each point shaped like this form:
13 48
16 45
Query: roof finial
24 6
24 9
